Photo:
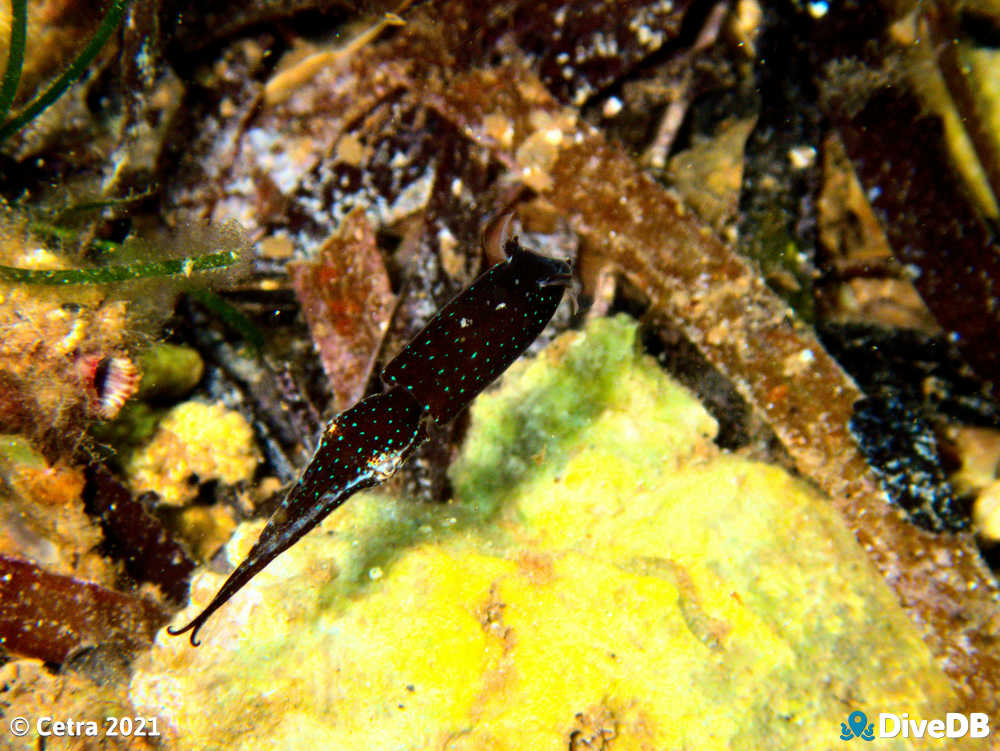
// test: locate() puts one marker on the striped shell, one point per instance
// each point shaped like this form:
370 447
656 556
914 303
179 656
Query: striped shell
109 381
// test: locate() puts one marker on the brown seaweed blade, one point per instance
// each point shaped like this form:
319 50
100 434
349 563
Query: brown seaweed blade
52 616
930 224
359 449
140 540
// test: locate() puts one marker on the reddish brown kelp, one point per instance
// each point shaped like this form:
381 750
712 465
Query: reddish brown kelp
929 223
51 617
347 300
138 539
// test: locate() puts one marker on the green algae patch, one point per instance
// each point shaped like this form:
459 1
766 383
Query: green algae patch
605 578
548 408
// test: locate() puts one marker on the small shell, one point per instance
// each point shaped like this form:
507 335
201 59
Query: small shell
110 381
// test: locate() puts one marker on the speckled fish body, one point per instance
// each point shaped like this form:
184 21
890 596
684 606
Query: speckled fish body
464 348
475 338
359 449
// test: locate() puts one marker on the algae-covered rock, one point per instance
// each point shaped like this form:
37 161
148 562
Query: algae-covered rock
42 516
204 441
169 371
605 578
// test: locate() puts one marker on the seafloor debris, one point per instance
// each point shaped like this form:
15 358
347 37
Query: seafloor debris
928 214
709 174
347 300
924 219
862 282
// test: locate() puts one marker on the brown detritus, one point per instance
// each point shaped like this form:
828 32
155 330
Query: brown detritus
136 538
264 164
298 72
880 300
50 616
709 174
864 282
939 32
928 213
201 147
676 110
849 232
331 135
743 329
930 222
144 133
193 31
347 300
578 48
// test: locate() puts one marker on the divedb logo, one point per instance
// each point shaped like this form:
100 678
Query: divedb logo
954 725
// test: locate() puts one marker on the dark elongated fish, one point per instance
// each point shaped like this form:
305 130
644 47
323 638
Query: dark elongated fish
359 449
462 349
473 339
